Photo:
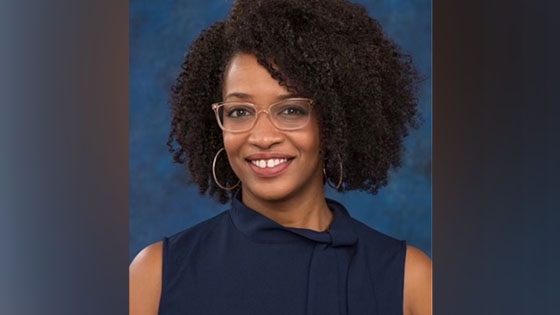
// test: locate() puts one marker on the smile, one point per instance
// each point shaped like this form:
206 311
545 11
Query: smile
270 163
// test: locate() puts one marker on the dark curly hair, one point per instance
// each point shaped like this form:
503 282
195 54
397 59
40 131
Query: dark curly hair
363 86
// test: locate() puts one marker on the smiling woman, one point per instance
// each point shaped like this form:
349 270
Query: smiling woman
297 94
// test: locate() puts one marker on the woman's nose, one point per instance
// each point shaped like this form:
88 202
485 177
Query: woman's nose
264 134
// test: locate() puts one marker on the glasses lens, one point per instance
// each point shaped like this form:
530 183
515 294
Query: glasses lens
236 116
291 114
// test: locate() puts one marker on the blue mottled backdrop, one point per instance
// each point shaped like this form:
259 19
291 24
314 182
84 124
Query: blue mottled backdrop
161 201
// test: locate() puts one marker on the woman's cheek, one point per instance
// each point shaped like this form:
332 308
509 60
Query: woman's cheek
233 144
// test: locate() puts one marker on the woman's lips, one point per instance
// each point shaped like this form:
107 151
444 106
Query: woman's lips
268 163
268 166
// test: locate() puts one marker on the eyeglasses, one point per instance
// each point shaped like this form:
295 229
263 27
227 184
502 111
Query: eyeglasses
289 114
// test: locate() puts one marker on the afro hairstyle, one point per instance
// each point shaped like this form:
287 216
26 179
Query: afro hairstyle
332 51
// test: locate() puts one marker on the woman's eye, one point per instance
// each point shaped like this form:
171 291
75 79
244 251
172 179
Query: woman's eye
238 112
293 111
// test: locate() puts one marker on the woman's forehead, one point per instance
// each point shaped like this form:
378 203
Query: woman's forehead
246 78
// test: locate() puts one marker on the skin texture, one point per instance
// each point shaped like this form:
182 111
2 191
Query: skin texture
144 285
294 197
417 283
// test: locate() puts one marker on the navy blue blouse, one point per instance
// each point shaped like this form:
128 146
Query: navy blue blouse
241 262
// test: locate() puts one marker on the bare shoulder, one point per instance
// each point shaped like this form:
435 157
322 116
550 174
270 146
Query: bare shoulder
417 283
145 274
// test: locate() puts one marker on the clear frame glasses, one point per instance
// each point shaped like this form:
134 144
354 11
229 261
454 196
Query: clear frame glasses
289 114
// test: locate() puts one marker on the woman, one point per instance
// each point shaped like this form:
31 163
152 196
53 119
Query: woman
273 103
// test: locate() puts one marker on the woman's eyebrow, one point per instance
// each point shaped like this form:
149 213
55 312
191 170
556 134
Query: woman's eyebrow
245 96
287 96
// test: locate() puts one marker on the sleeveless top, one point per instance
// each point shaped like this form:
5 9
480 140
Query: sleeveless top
241 262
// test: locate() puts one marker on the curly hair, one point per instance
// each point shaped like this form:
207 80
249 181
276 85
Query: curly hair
331 51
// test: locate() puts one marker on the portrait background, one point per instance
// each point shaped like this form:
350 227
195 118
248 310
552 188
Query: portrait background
161 200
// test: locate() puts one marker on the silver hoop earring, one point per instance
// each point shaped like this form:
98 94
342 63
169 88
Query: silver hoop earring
214 173
340 170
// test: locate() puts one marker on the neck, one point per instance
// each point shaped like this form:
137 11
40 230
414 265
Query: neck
306 211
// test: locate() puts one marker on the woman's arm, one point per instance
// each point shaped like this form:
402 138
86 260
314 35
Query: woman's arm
145 281
417 283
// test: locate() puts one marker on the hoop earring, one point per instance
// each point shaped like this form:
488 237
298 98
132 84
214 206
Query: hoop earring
214 173
340 170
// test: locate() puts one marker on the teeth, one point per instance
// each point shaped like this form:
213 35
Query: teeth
268 163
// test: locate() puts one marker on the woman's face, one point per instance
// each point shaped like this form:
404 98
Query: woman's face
273 165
